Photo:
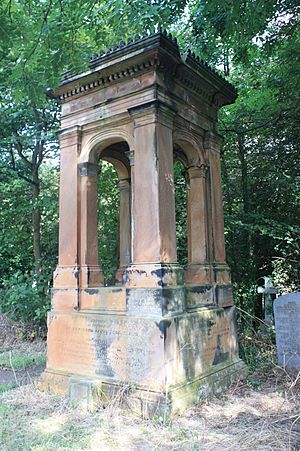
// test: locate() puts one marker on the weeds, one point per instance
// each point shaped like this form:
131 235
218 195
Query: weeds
19 361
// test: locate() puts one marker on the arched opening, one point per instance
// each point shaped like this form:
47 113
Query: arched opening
191 206
114 218
108 199
181 192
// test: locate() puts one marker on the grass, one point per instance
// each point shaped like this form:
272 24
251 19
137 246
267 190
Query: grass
242 419
7 386
260 414
19 361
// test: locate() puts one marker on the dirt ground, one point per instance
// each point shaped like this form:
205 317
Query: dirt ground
262 413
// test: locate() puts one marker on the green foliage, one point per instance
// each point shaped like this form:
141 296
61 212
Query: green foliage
26 297
108 221
6 387
255 43
19 361
180 183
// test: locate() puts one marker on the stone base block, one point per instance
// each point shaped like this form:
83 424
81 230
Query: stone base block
91 393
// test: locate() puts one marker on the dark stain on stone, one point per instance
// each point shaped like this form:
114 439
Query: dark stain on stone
101 344
163 327
209 325
200 289
220 356
160 274
220 313
91 291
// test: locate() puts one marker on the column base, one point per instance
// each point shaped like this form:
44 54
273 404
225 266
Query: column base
151 275
66 277
198 274
77 276
119 275
91 276
91 394
221 273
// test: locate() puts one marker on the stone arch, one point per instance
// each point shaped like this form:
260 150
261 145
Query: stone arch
91 151
188 149
114 151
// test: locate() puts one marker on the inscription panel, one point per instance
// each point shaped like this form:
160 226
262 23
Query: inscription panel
124 349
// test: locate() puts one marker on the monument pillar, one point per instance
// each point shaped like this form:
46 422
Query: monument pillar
154 226
221 271
198 270
90 272
67 271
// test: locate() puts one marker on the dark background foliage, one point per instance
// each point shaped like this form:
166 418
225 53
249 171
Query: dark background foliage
255 44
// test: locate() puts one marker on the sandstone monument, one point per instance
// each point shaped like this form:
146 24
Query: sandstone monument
165 335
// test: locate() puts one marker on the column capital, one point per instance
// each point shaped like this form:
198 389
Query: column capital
70 137
152 112
64 133
130 156
124 184
88 169
197 171
213 140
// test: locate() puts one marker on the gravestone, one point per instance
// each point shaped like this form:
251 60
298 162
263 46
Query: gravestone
287 325
269 293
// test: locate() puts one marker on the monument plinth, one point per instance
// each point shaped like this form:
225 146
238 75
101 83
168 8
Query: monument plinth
163 335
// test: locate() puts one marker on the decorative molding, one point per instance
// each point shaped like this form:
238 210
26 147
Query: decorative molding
114 76
130 156
159 50
153 111
197 171
124 184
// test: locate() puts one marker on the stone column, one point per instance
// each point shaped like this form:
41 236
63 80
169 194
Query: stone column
221 269
153 204
124 228
90 272
198 269
66 274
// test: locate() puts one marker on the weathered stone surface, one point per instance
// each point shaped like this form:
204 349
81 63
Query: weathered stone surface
147 351
287 325
163 337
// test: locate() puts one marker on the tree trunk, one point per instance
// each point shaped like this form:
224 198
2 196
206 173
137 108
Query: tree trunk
36 224
244 168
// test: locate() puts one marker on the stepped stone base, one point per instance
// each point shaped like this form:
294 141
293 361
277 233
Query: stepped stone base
160 351
93 393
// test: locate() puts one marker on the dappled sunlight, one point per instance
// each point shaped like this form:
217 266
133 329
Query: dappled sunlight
50 425
242 419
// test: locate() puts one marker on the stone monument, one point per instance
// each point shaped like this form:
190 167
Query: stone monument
287 326
164 335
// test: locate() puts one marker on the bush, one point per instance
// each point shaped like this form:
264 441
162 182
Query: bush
26 297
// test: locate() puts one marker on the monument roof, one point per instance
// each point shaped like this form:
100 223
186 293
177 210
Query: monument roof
127 58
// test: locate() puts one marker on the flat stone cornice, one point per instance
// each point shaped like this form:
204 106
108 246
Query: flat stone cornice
156 52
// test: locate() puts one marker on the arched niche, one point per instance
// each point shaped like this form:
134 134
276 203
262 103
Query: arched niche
189 151
115 152
117 155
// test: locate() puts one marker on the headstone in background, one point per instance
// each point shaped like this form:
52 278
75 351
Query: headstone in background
287 326
269 293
